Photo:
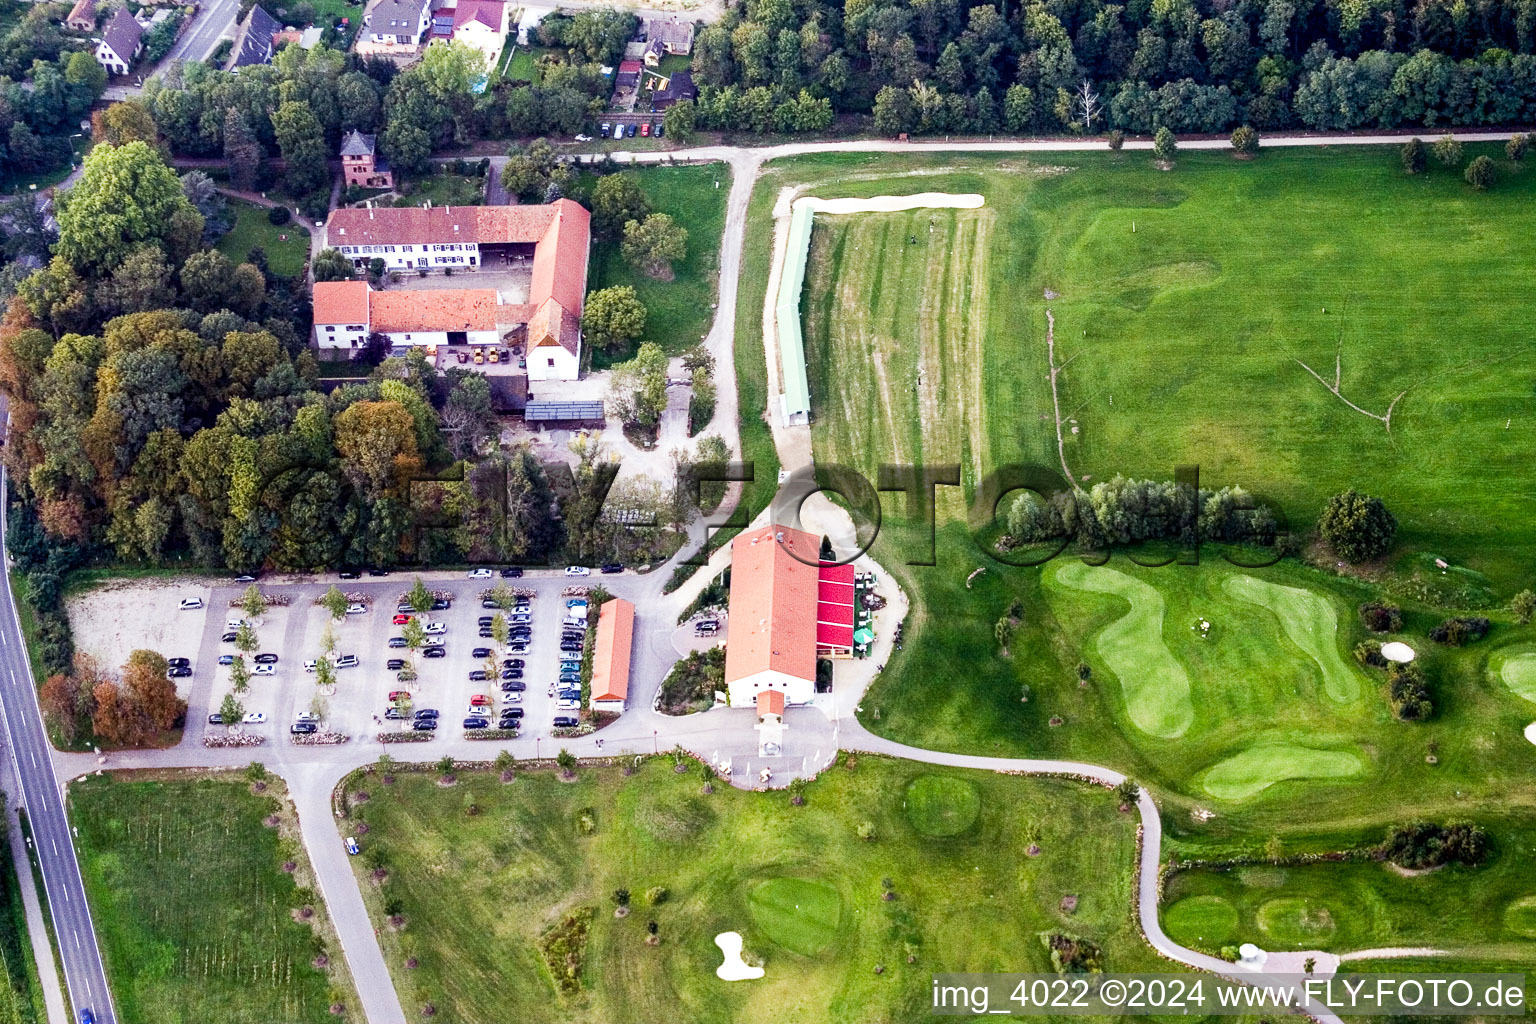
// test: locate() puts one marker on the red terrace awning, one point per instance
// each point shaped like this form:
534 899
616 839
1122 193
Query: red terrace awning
833 637
834 606
835 614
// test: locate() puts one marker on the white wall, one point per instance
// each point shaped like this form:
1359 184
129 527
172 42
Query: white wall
341 336
743 692
411 257
567 366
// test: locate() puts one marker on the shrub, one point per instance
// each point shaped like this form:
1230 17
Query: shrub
279 215
1381 618
1424 844
1408 691
1245 141
1128 792
621 897
1516 148
1368 652
1116 139
1458 630
1448 150
1481 173
1357 526
1523 606
1072 955
1413 156
1164 145
656 895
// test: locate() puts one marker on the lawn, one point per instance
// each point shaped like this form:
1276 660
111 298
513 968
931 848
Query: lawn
444 190
484 872
1488 912
287 247
680 311
196 916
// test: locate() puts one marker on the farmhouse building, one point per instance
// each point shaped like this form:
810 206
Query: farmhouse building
677 89
254 42
360 163
393 28
82 16
346 312
611 655
120 43
478 24
667 36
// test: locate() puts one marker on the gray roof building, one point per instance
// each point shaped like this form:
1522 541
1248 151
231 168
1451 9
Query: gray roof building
122 35
253 43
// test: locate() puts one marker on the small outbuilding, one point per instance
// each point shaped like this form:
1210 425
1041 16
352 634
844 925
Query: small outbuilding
611 655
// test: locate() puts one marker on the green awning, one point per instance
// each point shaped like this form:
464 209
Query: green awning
863 636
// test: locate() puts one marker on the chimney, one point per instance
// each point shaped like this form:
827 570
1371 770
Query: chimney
427 205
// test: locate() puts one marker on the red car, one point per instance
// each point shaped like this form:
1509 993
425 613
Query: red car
401 620
645 129
479 700
399 694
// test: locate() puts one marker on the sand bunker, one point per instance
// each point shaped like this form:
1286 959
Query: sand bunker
1397 651
894 204
1530 732
734 968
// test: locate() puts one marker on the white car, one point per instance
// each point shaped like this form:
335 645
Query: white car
305 716
436 628
189 604
347 661
568 705
435 641
356 609
479 574
480 711
583 138
512 697
577 570
310 665
265 670
254 717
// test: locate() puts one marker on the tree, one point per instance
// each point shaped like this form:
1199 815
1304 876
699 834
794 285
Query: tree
253 602
1448 151
141 282
126 196
245 638
1086 104
613 317
567 762
377 442
301 139
1523 606
528 172
335 602
419 597
639 387
231 710
618 199
325 673
469 418
499 629
1164 146
242 152
206 280
332 265
1356 526
145 682
680 120
1516 148
654 244
126 122
1481 173
415 634
1245 141
1413 156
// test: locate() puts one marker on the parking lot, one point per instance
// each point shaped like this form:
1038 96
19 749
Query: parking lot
360 702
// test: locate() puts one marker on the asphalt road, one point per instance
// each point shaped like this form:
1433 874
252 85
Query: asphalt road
216 18
84 975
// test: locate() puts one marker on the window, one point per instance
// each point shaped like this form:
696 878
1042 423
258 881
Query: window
551 362
330 330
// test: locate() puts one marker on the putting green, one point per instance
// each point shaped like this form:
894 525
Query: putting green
800 914
942 805
1296 921
1520 916
1516 668
1209 920
1311 622
1254 770
1154 683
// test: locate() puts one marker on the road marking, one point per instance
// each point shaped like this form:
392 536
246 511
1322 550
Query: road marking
55 844
77 940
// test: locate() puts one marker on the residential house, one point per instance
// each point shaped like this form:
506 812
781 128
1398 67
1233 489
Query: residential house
82 16
361 165
666 36
254 41
557 236
120 43
678 88
478 24
611 655
341 314
347 312
394 28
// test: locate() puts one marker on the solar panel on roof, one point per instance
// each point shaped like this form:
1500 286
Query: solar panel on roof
564 411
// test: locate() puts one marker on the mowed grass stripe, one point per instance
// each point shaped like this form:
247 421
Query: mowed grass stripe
1152 680
1312 624
1251 772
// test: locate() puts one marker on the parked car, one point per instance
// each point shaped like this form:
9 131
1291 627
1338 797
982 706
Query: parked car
577 570
435 652
517 647
347 661
477 723
352 847
488 602
479 574
191 604
606 128
424 724
303 728
512 663
435 641
520 619
254 718
645 130
479 698
436 628
394 715
215 719
357 608
511 712
306 716
180 672
570 677
486 634
401 618
512 572
426 713
397 641
393 664
661 129
229 638
266 659
442 604
612 567
574 622
575 602
485 620
399 694
570 645
178 662
226 659
513 686
631 133
566 721
706 628
512 696
404 608
511 673
350 574
570 665
235 623
245 579
260 670
479 675
378 572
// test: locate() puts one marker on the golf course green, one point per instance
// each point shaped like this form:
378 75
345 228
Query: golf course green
1311 623
1200 920
800 914
942 805
1154 683
1263 765
1515 667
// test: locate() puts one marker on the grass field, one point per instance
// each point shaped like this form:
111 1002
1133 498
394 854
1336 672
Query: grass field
445 190
481 871
194 912
285 255
21 993
1515 667
1488 912
679 311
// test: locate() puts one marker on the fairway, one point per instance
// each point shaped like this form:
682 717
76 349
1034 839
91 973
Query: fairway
1202 921
479 891
800 914
193 909
1520 917
1311 623
942 805
1292 922
1515 667
1155 685
1254 770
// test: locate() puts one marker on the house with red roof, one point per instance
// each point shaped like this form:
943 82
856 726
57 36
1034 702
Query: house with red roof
479 24
611 650
347 312
556 235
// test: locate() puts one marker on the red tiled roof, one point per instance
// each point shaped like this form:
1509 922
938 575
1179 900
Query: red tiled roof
770 702
560 261
448 309
341 302
610 653
490 13
773 603
84 10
